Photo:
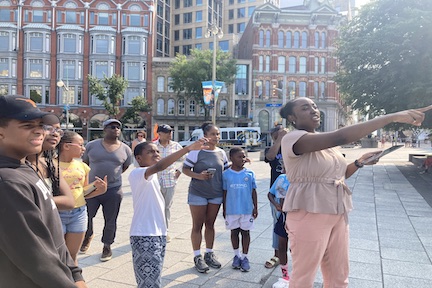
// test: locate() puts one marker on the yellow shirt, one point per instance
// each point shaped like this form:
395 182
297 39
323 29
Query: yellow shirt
74 173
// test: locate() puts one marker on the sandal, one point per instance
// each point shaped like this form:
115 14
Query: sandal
273 262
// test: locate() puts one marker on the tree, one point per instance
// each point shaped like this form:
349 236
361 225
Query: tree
188 72
110 91
132 113
385 57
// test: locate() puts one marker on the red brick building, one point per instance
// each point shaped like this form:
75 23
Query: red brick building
43 42
292 52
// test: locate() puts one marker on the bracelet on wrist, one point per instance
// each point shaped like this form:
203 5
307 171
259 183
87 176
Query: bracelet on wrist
358 164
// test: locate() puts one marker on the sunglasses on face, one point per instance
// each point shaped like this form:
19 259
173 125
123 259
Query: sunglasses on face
52 130
114 127
140 135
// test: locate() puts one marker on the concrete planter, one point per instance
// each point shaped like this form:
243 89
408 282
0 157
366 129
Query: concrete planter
369 143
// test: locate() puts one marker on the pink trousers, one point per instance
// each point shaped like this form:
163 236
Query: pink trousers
318 239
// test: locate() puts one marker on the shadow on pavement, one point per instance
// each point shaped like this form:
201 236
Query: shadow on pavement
421 182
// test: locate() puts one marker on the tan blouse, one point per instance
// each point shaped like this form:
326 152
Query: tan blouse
317 179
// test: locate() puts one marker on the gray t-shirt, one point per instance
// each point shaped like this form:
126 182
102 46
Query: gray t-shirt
200 160
107 163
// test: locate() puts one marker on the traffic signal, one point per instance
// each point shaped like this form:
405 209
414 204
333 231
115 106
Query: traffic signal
274 91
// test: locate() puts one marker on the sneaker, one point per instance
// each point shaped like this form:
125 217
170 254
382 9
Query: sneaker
236 262
106 254
211 260
281 283
86 244
200 265
245 267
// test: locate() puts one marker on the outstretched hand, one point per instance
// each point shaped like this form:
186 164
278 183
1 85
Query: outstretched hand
199 144
412 116
368 155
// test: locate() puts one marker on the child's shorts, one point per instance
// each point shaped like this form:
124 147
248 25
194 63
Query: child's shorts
279 227
242 221
75 220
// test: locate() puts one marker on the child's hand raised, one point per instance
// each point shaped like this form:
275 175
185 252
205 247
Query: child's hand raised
199 144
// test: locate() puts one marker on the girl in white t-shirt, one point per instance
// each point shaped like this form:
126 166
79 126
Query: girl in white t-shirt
148 228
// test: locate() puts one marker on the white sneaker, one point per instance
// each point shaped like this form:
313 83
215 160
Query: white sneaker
282 283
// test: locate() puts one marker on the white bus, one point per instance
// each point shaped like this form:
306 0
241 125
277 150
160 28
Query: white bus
249 137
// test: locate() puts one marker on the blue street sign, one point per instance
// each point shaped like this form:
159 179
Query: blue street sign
273 104
66 107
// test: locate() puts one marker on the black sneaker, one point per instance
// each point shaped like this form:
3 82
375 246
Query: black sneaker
211 260
86 244
200 265
106 254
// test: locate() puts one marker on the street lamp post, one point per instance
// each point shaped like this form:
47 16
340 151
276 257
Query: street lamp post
258 84
214 31
65 98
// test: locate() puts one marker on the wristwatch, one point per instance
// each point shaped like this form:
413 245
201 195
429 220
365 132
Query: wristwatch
358 164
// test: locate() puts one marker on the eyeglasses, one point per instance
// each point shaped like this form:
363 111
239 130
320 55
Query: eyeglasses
52 130
76 144
114 127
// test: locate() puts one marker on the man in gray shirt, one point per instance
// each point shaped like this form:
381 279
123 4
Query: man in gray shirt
110 157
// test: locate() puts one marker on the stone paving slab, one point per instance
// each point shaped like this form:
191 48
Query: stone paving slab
390 235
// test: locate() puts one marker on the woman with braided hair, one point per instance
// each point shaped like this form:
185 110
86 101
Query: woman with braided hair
46 166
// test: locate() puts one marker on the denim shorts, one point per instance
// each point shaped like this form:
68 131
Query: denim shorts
202 201
75 220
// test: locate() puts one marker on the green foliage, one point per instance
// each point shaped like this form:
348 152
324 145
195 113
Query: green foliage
110 91
385 57
188 72
132 113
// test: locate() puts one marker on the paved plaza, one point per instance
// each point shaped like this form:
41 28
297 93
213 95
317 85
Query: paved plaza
390 234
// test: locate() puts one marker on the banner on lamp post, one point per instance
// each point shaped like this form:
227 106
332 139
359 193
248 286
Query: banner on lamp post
211 95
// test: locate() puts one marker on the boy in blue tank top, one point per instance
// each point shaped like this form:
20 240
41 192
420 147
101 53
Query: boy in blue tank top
239 205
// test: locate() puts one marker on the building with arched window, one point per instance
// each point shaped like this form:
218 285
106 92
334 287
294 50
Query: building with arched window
292 50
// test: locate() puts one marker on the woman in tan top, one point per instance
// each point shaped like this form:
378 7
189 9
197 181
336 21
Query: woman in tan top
318 199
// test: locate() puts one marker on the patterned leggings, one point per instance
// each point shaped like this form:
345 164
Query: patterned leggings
148 254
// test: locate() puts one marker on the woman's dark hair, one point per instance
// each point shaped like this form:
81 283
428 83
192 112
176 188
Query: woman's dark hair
207 126
68 137
142 132
235 150
138 149
287 110
53 172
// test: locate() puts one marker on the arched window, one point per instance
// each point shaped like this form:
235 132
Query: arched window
280 39
181 107
323 64
292 89
160 106
302 89
316 87
267 89
303 66
223 108
322 90
267 63
292 64
316 65
192 107
260 63
261 39
323 40
288 39
281 64
160 84
317 37
171 106
296 39
304 40
268 35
